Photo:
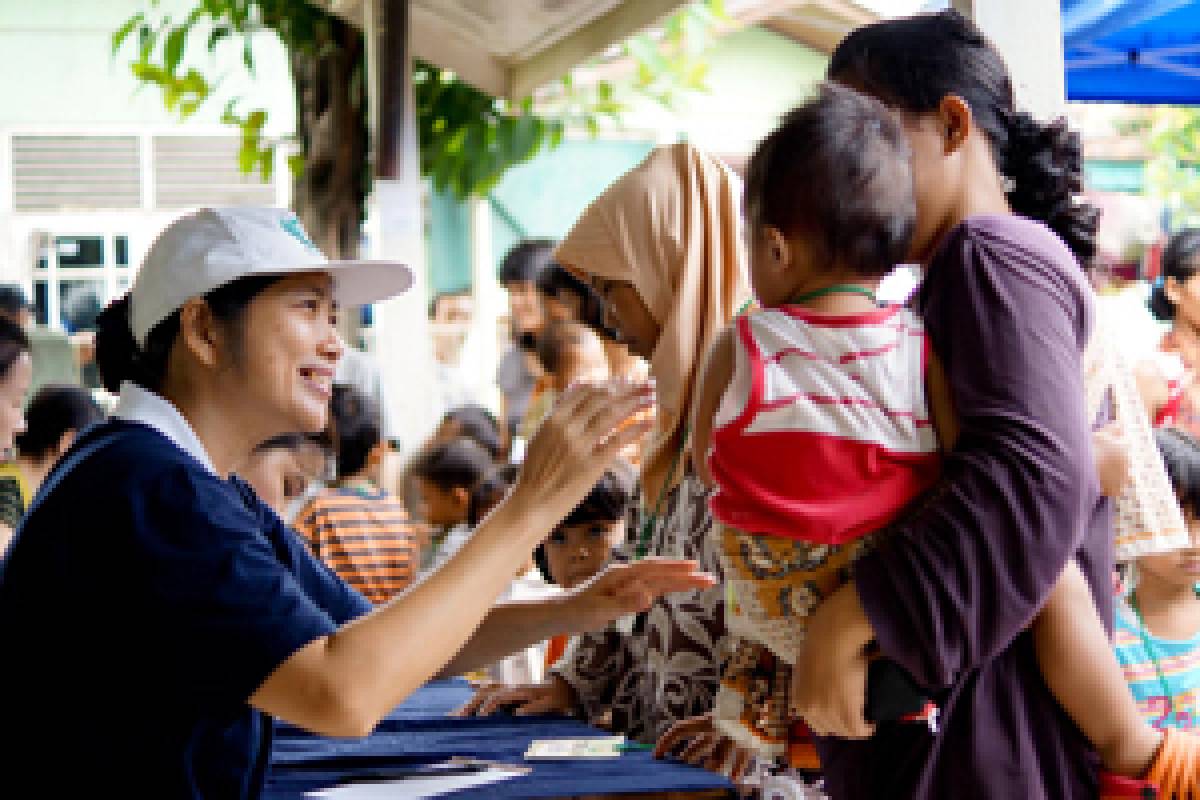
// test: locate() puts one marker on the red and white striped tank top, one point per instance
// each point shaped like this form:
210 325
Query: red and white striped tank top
824 434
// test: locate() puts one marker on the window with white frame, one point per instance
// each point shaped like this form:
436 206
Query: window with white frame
76 275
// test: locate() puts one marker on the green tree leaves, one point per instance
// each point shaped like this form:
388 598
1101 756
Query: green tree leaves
468 139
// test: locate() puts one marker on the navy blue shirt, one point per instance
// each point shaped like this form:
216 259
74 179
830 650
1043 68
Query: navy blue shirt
141 604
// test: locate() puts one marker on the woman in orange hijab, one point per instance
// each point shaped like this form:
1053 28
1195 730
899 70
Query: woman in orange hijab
663 246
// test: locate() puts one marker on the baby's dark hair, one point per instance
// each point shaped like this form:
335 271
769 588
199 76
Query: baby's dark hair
606 503
477 423
118 355
1180 260
1181 455
356 429
836 171
457 464
912 63
488 493
53 411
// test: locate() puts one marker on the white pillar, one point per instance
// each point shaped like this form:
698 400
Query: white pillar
1028 34
402 342
490 305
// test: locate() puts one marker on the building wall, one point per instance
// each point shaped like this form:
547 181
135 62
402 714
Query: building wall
86 151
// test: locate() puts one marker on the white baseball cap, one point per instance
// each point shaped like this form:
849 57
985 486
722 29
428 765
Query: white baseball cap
214 246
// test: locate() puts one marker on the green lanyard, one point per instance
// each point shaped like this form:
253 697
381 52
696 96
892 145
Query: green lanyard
837 288
1144 632
651 520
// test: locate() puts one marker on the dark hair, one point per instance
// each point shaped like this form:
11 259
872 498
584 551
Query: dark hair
556 339
13 342
836 171
13 299
488 493
117 353
479 425
357 429
457 464
298 441
913 62
526 260
1179 261
1181 455
53 411
607 502
556 279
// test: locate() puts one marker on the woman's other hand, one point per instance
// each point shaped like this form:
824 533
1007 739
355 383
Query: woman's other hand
629 589
696 741
829 681
552 696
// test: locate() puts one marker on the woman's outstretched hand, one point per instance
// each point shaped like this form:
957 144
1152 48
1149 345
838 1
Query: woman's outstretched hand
552 696
588 428
629 589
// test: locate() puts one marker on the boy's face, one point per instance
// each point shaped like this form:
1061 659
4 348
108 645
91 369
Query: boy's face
575 553
524 307
442 507
1178 567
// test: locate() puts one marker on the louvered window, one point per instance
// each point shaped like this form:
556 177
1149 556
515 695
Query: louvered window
75 172
203 171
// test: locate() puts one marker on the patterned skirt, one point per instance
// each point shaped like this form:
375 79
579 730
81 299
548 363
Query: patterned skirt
773 585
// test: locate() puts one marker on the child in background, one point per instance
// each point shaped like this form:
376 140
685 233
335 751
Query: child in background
471 422
283 470
1157 631
54 417
583 543
567 351
358 529
849 397
445 475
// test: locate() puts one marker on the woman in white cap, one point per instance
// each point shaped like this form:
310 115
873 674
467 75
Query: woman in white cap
153 610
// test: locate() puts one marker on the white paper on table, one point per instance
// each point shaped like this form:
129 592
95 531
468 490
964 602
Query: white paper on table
412 788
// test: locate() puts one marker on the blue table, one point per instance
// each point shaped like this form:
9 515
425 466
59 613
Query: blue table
419 732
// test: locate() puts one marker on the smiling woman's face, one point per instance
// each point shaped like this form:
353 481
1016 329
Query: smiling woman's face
288 351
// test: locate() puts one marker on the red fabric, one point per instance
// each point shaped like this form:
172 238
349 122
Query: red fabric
815 487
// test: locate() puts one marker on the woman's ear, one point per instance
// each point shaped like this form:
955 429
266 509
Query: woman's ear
64 443
461 496
956 121
198 331
1171 290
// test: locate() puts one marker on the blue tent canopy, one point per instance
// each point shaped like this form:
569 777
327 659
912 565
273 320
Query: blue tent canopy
1132 51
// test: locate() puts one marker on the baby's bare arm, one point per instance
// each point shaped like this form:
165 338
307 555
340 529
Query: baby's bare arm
711 383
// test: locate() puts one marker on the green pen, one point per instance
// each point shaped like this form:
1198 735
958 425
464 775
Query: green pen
632 746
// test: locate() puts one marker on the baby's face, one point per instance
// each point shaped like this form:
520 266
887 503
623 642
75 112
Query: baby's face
584 361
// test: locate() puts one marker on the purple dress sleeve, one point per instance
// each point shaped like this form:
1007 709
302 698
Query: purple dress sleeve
956 582
951 589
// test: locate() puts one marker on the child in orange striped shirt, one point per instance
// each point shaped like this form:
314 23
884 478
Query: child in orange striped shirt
360 530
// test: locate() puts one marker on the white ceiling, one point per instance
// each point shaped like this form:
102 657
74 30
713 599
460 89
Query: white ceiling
508 48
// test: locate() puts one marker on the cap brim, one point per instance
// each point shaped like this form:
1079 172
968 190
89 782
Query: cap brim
357 283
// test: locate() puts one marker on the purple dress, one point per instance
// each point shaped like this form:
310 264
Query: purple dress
952 589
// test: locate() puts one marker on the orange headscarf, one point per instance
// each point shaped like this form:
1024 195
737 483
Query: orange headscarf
672 227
